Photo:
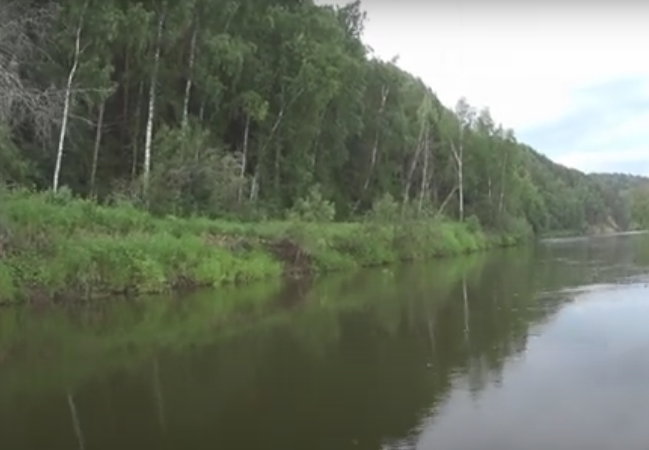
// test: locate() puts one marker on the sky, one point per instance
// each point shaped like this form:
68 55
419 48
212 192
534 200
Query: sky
571 79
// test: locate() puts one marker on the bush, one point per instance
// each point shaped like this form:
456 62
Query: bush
313 208
385 210
473 224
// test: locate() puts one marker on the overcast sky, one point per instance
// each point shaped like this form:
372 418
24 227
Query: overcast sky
571 79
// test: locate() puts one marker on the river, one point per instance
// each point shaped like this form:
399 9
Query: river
535 348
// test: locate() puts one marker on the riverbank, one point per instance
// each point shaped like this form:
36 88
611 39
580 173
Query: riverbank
54 248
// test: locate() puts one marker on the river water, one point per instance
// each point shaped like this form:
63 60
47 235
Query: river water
527 349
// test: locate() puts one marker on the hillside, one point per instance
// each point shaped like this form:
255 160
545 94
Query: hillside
235 109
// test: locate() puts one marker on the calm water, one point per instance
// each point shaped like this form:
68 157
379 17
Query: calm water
544 348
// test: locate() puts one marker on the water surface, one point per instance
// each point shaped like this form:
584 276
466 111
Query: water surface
540 348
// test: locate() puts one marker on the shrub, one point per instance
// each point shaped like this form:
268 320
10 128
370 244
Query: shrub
313 208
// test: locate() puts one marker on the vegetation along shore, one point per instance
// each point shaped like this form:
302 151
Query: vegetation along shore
59 247
154 145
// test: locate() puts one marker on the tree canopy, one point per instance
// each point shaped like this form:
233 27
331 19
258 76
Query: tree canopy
239 108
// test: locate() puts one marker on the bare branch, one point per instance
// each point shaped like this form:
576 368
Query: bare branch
23 31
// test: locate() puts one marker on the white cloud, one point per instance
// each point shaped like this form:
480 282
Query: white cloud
530 64
524 64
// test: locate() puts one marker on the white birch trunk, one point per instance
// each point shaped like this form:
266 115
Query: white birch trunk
457 155
244 159
66 105
465 298
254 190
489 189
424 176
460 181
190 67
446 200
501 203
413 165
95 153
385 91
151 115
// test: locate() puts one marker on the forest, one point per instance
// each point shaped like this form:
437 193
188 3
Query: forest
245 111
238 108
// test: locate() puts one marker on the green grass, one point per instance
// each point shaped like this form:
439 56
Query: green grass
59 247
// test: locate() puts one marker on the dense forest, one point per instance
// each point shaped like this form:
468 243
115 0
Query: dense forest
240 108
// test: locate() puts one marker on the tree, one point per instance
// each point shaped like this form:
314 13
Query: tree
23 34
234 107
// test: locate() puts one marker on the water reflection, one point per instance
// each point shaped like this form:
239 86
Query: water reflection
582 385
451 354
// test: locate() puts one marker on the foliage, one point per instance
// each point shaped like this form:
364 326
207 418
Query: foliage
313 208
639 198
251 105
384 210
233 139
59 245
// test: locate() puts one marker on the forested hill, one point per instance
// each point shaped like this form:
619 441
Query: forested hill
241 107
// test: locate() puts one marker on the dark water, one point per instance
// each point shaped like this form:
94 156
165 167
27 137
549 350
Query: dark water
543 348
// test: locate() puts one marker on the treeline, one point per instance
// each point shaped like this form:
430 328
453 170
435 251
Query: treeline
634 193
238 108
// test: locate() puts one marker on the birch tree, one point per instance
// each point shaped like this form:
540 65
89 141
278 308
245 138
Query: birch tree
68 96
424 117
227 101
465 117
157 44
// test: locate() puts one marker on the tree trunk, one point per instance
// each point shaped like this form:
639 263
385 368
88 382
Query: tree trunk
66 103
254 191
501 203
431 186
244 159
151 114
190 68
277 176
123 138
413 165
424 176
489 189
458 156
465 298
201 112
316 140
254 185
446 200
95 153
460 181
385 91
278 149
138 119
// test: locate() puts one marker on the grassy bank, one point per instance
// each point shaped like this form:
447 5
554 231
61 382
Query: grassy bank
54 247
